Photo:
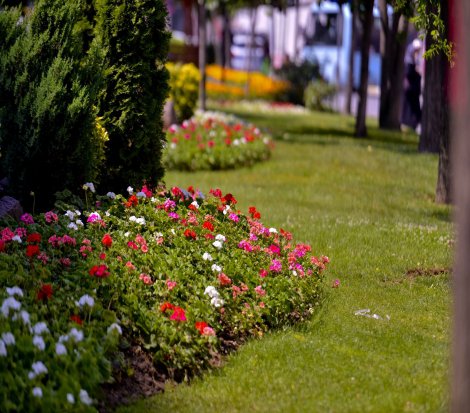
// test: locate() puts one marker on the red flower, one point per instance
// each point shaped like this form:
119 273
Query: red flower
208 225
177 193
32 250
102 256
254 213
99 271
178 314
2 246
45 292
33 238
76 319
216 192
132 201
228 199
166 306
224 280
146 191
200 326
133 245
190 234
107 241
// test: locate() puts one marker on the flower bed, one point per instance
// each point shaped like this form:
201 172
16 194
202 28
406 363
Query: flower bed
174 273
211 143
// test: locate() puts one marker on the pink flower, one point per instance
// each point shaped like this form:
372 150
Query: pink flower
51 217
93 217
276 266
7 234
262 305
27 219
144 248
224 280
174 216
245 245
21 232
336 284
274 249
146 279
259 290
234 217
130 265
208 331
170 284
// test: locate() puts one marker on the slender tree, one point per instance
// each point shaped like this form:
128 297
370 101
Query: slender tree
366 14
394 30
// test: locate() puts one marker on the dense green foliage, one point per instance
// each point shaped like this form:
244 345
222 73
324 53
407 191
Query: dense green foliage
184 88
299 75
318 95
135 41
49 80
175 272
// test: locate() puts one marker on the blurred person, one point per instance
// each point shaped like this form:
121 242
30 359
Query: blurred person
411 111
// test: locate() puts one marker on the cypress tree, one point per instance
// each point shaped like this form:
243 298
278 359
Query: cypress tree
48 86
134 37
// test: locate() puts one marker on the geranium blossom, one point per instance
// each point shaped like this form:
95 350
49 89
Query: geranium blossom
276 266
85 300
224 280
45 292
27 219
99 271
14 291
178 314
37 369
107 240
8 304
207 257
8 338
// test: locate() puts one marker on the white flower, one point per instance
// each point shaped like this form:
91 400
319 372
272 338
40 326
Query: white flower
90 186
172 145
63 338
77 335
110 195
77 213
126 234
173 231
79 223
217 302
8 338
236 142
211 291
85 300
38 342
294 273
195 204
70 398
226 209
185 123
243 140
70 215
16 238
266 141
3 349
73 226
37 392
220 237
140 195
140 221
217 244
115 326
216 268
130 190
153 199
256 131
107 213
15 291
85 398
37 368
60 349
40 328
273 230
132 218
207 257
8 304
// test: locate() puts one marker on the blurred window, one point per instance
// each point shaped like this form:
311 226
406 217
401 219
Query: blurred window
324 29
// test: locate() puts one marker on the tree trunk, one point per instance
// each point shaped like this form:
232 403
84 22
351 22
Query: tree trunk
367 21
225 35
440 124
202 53
350 83
429 140
393 54
460 400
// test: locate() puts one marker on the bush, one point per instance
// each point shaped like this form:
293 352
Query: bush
318 95
176 273
298 76
134 37
184 88
49 80
212 143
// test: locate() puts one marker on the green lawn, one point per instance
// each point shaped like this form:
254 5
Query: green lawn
368 205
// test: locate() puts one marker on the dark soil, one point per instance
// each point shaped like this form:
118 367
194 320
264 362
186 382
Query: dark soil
427 272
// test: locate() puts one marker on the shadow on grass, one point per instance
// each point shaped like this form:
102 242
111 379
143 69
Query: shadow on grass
307 128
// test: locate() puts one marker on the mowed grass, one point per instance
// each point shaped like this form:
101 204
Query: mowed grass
368 205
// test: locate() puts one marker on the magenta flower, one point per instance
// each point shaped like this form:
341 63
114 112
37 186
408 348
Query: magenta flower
276 266
174 216
51 217
27 219
234 217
